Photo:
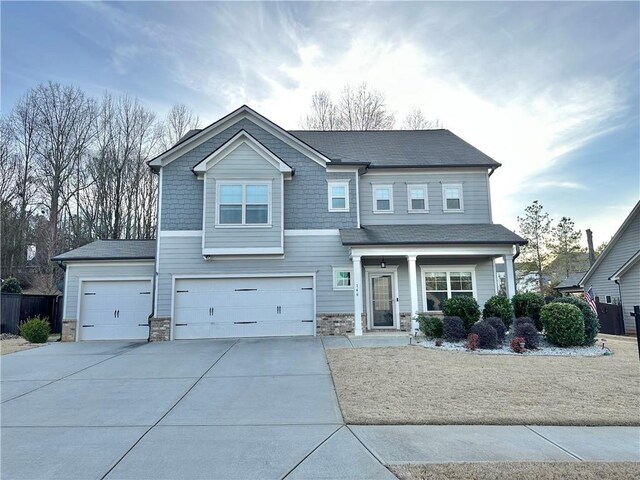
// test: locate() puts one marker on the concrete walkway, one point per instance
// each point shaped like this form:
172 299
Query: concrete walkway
250 408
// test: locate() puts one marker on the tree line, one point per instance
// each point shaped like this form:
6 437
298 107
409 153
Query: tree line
72 170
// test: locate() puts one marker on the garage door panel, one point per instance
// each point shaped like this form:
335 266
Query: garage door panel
245 307
115 310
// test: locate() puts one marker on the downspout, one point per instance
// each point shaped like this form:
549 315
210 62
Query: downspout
513 260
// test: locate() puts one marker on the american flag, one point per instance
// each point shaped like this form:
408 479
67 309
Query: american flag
591 300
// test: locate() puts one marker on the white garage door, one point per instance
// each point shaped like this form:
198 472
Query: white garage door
115 310
243 307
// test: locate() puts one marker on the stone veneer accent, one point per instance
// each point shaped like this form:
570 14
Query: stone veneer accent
68 331
159 329
405 322
334 323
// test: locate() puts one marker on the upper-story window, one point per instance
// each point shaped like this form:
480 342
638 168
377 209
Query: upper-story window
338 196
452 200
244 203
383 199
417 199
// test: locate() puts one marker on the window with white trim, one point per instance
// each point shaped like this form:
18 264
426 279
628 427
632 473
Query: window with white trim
441 284
452 197
244 203
339 196
418 200
342 278
382 198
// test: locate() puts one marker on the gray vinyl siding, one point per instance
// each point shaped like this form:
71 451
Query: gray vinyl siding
620 252
304 254
76 271
475 198
630 288
305 196
243 163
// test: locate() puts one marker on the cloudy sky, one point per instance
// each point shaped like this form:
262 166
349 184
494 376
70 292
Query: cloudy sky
550 90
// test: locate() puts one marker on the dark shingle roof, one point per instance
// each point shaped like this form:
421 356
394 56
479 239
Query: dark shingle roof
397 148
111 250
573 280
429 234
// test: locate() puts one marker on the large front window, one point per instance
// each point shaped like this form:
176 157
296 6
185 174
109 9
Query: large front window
243 204
441 284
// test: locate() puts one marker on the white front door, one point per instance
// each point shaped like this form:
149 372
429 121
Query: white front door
382 298
243 307
115 310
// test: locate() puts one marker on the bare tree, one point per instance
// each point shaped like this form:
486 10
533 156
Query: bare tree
415 120
324 114
360 108
179 121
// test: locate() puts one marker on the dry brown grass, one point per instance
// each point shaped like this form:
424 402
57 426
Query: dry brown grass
415 385
13 345
522 471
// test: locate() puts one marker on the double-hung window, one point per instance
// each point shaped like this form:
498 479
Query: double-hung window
383 199
244 203
418 201
441 283
452 197
339 196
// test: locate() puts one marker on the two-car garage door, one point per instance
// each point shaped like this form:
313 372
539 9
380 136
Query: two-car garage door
243 307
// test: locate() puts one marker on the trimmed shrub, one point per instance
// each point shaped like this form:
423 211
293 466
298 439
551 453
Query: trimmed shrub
487 335
431 327
528 304
521 320
591 322
500 327
515 343
464 307
11 285
530 333
472 341
563 324
438 342
453 329
35 330
498 306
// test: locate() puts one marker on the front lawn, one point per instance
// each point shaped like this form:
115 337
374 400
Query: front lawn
523 471
416 385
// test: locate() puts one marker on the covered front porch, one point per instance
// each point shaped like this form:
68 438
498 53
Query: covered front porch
394 281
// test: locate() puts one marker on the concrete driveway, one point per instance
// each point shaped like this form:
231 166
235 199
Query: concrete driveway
250 408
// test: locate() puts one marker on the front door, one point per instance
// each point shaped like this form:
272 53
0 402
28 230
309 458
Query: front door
382 301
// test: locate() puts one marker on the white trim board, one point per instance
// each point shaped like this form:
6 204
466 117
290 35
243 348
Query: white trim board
244 112
244 251
311 233
181 233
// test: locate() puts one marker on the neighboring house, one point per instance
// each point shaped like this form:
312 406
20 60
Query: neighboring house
265 232
615 275
571 285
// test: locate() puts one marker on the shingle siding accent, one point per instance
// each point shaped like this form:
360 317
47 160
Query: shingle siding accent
305 196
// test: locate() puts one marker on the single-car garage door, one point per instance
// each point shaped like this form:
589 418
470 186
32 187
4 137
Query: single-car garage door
243 307
115 310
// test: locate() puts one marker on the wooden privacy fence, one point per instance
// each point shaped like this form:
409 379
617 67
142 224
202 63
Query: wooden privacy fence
15 308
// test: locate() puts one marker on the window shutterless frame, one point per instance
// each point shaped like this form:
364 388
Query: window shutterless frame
244 202
450 289
453 192
417 198
338 194
342 278
382 195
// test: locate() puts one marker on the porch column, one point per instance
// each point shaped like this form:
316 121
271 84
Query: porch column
413 290
509 276
357 295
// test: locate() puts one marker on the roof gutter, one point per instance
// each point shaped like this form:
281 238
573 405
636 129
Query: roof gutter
517 252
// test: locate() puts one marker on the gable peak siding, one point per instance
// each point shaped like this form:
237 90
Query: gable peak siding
305 195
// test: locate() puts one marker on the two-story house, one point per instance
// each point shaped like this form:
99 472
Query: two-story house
266 232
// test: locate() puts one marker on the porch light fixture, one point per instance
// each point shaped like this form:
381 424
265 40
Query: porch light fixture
383 264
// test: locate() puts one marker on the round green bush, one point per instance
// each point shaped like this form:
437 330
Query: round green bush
464 307
498 306
528 304
563 324
35 330
430 326
453 329
591 322
11 285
